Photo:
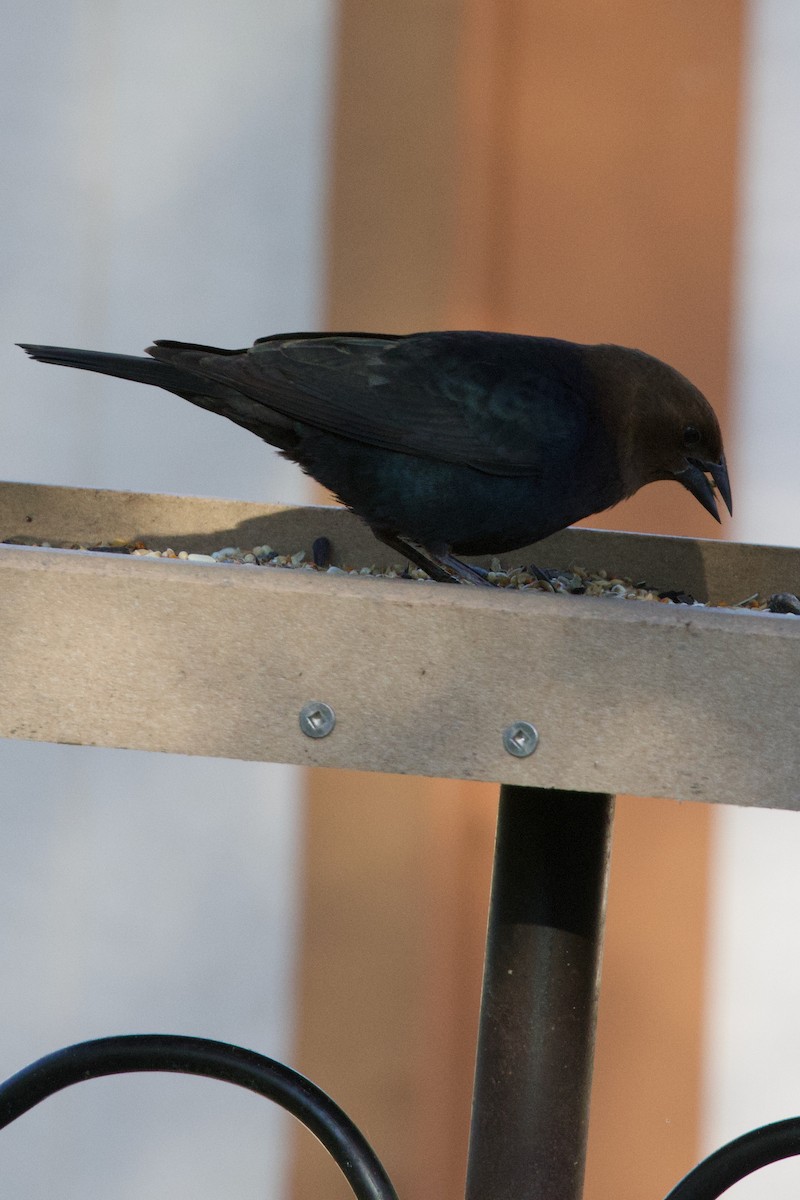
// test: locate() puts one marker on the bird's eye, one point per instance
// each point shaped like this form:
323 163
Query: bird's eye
691 436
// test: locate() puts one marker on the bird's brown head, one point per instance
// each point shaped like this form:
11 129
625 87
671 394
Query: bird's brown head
662 424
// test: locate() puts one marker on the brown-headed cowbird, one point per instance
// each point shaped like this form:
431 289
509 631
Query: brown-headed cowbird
451 443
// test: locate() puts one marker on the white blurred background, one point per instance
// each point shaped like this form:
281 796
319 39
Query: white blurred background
753 1032
163 175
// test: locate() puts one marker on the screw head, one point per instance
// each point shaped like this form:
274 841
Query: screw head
317 719
521 739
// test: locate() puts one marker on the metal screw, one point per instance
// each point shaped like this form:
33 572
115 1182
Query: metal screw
521 739
317 719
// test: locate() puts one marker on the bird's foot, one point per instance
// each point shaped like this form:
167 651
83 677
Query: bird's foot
439 564
465 572
543 576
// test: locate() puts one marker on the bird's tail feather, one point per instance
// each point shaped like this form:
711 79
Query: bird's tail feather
124 366
205 393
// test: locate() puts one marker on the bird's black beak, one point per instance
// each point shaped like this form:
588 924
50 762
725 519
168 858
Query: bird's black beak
695 479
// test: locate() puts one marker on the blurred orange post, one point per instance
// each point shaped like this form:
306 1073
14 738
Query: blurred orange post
550 169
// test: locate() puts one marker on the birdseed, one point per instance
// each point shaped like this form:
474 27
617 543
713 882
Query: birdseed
573 580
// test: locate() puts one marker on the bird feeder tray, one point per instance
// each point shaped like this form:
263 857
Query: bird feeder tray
655 699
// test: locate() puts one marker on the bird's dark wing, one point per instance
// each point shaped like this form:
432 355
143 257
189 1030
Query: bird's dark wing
495 402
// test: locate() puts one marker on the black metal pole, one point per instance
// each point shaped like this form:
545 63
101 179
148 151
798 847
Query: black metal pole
539 1006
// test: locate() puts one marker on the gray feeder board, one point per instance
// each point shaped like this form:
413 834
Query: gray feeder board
392 675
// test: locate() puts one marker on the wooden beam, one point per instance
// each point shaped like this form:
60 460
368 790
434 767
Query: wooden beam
668 700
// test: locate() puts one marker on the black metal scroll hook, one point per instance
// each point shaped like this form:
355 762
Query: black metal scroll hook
313 1108
741 1157
198 1056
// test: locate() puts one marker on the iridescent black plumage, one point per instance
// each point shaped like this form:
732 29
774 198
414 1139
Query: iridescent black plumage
455 441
